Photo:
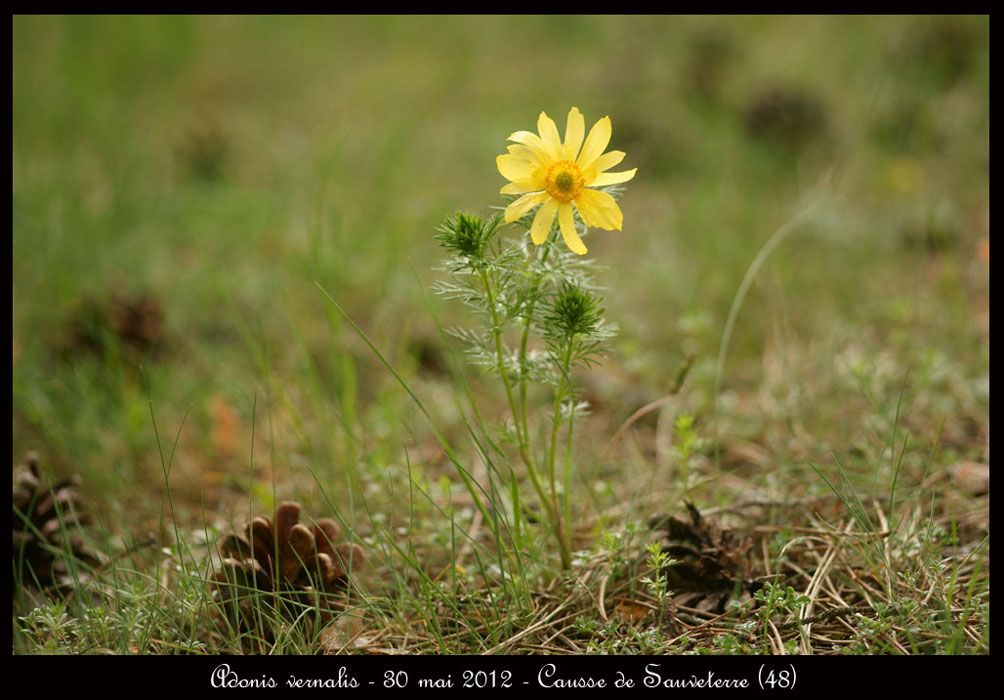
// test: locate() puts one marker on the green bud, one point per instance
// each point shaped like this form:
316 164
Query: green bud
467 235
576 311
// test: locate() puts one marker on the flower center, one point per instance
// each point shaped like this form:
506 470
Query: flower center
564 181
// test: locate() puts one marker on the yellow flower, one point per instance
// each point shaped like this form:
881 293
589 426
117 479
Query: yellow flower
557 175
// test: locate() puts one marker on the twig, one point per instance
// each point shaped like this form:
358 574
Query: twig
818 617
600 600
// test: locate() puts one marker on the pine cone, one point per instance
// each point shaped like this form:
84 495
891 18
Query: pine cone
296 565
137 322
787 117
45 535
711 562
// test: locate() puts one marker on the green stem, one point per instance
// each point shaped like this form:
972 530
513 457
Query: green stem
568 480
527 319
555 427
521 435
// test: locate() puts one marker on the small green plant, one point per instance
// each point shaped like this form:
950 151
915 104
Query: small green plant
736 644
51 627
617 547
658 561
610 638
686 442
776 598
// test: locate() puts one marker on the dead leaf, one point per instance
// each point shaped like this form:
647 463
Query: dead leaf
631 610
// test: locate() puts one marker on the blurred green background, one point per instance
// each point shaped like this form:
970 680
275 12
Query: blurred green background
201 175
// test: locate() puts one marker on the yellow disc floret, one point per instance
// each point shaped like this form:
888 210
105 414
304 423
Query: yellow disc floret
564 181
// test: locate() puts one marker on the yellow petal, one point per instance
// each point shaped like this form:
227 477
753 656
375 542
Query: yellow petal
523 152
575 129
540 166
599 137
549 135
522 205
601 164
542 222
513 168
519 187
566 219
533 142
604 179
599 209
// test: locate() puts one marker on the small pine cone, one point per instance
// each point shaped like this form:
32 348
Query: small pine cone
137 322
711 562
45 534
297 565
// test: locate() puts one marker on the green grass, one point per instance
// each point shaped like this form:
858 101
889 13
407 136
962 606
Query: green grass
247 172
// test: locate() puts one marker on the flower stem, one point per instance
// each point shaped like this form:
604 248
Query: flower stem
552 453
568 480
527 318
521 433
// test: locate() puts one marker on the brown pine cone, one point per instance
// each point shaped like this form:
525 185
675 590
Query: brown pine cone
296 565
711 563
45 534
136 322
